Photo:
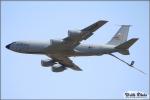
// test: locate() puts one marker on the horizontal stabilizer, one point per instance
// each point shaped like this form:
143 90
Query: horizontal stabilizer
127 44
124 52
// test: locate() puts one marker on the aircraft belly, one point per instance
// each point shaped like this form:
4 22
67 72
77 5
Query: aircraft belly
87 53
79 51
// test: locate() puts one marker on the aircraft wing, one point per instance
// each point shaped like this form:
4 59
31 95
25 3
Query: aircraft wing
73 40
94 26
65 61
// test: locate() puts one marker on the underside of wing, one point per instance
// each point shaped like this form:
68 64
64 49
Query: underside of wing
65 61
94 26
76 36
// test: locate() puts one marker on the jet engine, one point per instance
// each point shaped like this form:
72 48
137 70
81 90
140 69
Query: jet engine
55 42
73 33
47 63
58 68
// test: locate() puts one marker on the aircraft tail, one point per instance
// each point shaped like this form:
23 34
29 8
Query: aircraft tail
121 36
123 48
124 52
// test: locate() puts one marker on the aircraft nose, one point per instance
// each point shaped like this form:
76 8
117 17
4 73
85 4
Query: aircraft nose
8 46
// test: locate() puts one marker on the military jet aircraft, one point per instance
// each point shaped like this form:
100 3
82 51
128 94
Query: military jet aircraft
59 51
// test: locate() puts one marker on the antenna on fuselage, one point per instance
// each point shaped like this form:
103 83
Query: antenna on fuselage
129 64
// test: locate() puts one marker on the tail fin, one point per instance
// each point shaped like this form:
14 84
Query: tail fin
127 44
124 52
121 36
123 48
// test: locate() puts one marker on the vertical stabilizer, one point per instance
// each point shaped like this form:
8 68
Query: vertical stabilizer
121 36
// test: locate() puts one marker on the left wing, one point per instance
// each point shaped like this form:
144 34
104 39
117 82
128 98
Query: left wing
65 61
75 37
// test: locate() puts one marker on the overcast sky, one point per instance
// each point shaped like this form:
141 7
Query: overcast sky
103 77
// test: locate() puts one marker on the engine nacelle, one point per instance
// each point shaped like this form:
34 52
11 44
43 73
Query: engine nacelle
55 42
58 68
47 63
73 33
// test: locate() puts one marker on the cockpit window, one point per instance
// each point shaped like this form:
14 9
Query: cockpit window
14 42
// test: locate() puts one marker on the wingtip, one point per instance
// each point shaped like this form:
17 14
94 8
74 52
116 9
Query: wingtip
76 68
135 39
101 22
104 21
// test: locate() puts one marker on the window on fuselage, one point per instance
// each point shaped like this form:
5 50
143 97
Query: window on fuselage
90 47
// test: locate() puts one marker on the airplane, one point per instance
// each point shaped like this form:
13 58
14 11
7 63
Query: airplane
59 51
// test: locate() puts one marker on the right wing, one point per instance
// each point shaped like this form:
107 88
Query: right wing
75 37
94 27
73 41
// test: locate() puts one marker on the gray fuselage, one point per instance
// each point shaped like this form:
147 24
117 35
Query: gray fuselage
30 47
